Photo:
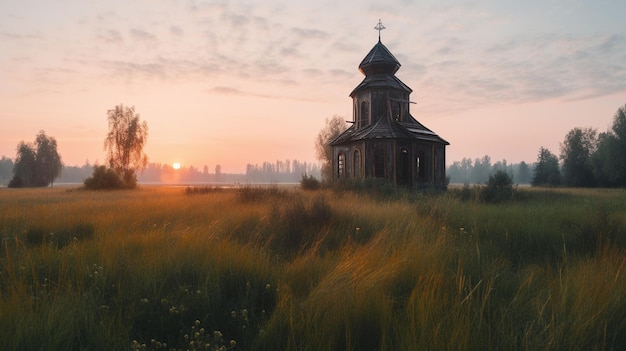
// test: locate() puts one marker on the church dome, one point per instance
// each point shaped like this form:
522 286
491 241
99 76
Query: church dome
379 61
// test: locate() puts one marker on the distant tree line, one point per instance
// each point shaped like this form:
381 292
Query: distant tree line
288 171
477 171
166 174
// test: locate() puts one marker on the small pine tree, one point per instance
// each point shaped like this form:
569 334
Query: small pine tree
499 188
546 172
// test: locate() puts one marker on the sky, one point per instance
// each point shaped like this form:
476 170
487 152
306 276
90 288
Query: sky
241 82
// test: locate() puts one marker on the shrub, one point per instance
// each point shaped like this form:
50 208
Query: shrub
309 182
104 178
499 188
16 182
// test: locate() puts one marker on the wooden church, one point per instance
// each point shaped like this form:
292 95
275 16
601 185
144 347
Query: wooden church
385 141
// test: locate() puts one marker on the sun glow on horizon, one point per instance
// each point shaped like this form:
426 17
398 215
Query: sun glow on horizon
176 165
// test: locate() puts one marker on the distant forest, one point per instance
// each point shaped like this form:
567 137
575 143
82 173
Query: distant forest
288 171
477 171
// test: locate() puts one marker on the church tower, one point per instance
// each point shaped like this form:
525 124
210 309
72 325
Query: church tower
385 141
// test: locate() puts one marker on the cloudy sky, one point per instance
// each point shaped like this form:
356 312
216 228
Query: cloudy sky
237 82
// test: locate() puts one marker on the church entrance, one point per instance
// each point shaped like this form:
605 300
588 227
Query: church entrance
403 168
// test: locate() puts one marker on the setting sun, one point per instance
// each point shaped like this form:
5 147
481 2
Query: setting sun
176 165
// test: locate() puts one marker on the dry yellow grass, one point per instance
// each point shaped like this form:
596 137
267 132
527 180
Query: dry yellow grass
290 270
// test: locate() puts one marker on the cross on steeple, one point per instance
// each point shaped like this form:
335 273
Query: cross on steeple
379 27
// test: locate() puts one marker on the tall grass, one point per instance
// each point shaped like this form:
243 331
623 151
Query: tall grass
278 269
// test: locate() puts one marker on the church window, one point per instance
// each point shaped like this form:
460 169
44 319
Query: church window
357 164
341 163
365 114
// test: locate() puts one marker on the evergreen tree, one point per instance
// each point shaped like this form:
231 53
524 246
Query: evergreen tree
546 172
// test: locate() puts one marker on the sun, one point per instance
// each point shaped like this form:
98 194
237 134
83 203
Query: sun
176 165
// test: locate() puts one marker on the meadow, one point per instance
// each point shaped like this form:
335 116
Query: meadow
164 268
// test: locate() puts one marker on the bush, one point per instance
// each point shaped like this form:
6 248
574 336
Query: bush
104 178
309 182
16 182
499 188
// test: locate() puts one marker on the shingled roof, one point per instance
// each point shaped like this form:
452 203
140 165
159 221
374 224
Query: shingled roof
384 128
379 60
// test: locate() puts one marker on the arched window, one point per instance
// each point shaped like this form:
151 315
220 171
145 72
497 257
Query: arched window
379 163
357 164
341 164
365 114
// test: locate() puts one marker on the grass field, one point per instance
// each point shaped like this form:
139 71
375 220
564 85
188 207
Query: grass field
283 269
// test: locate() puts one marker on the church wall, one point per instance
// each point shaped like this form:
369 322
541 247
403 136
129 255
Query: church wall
420 162
440 164
349 161
378 104
421 166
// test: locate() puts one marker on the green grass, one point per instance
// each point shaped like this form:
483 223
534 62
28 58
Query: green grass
284 269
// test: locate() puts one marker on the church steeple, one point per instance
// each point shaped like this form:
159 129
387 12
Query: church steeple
379 67
379 60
